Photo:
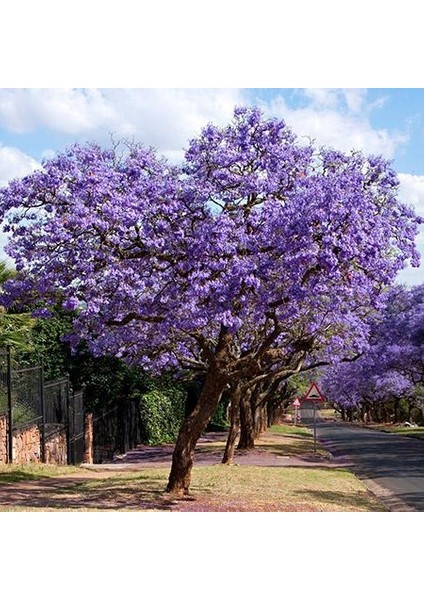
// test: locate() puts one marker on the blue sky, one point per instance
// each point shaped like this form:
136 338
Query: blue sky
36 123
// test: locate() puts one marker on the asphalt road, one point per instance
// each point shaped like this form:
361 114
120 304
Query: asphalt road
391 465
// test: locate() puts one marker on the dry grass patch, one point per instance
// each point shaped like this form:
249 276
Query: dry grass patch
216 488
12 473
288 489
287 440
282 440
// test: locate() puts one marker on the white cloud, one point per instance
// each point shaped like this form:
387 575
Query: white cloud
354 99
322 97
411 192
14 163
167 118
64 110
412 275
337 118
163 118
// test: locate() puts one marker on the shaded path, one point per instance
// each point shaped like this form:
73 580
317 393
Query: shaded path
205 454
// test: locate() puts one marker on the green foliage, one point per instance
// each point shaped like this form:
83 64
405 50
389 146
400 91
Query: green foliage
3 402
22 413
162 410
108 380
47 343
417 416
219 420
15 329
6 273
300 383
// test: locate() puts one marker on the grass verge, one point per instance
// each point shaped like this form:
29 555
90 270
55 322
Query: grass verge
290 430
414 432
217 488
12 473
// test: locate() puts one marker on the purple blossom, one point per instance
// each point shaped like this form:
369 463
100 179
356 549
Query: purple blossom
253 233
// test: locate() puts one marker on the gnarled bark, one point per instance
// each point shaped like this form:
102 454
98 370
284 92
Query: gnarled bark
247 423
190 432
234 414
196 421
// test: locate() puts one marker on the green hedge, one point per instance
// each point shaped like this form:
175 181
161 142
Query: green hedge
161 412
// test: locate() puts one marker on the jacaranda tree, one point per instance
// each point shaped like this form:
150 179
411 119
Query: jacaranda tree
255 252
386 382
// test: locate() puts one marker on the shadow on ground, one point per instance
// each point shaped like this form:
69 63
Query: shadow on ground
87 494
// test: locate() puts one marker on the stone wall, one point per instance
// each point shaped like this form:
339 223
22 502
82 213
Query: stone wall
26 445
3 439
56 448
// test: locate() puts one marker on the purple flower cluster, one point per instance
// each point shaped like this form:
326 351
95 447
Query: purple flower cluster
392 367
284 246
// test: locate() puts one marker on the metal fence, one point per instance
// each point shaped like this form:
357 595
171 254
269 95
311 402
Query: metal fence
52 406
116 430
76 437
55 408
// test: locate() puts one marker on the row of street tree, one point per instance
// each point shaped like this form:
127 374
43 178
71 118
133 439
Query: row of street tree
256 259
386 383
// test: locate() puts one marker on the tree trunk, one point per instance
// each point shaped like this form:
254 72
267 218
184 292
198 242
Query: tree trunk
234 415
247 424
261 419
383 414
275 412
396 406
190 432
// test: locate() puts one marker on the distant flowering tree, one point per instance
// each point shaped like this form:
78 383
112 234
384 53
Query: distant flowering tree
392 367
253 254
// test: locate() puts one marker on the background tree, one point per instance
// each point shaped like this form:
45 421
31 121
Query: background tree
385 383
15 328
